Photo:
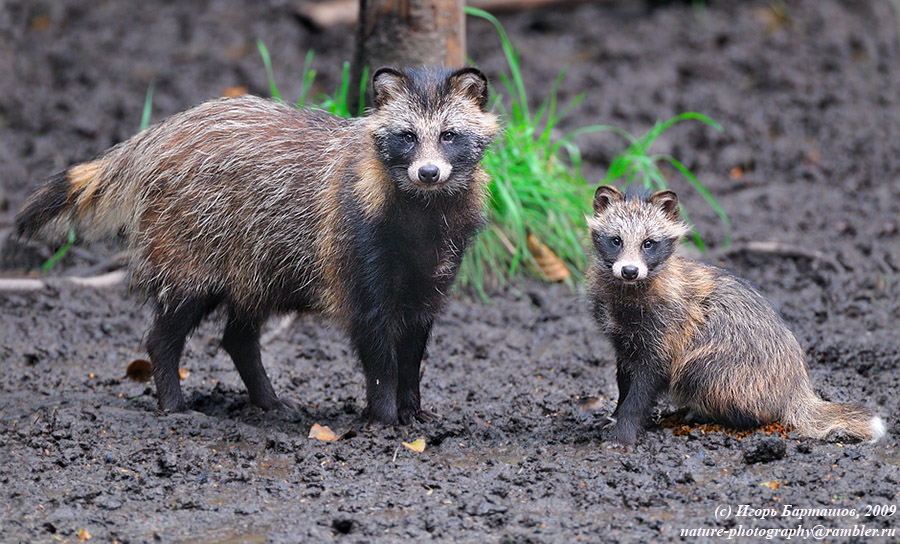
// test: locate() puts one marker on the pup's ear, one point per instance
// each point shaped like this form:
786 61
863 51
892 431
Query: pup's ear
668 201
387 84
606 195
470 82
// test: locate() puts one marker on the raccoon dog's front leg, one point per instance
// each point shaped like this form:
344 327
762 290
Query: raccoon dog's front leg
374 344
410 350
644 385
623 380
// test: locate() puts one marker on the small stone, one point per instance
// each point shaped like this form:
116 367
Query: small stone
108 502
247 509
166 465
765 450
343 526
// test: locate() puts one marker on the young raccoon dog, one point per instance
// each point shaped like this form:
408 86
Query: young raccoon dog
261 208
705 336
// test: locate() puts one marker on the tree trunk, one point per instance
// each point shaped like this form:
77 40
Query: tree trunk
407 33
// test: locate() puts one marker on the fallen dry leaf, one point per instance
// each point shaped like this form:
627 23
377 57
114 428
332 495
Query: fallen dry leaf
417 445
233 92
327 14
549 264
40 23
322 433
140 370
183 373
774 18
83 535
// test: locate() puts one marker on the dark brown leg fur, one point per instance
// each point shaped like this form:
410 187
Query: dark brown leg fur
644 388
624 382
165 342
241 341
410 350
379 362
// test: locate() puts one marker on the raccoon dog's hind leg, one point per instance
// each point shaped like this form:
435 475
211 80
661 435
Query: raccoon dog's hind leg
165 343
241 341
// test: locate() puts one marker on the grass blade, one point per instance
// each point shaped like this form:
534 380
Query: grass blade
148 108
264 53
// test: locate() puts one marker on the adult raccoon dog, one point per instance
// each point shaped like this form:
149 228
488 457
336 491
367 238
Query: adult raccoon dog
705 336
261 208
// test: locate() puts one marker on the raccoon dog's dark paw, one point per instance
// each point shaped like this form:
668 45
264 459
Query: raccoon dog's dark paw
278 404
286 405
622 435
615 446
375 420
173 407
604 422
183 414
422 416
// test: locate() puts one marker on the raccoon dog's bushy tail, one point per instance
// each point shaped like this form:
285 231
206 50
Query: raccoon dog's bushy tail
817 418
83 198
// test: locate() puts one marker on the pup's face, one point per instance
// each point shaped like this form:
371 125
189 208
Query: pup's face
431 127
633 237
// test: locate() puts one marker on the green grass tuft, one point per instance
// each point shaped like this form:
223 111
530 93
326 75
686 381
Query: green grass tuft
336 104
536 185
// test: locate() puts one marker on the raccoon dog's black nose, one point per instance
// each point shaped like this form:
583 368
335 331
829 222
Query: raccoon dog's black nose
629 272
429 174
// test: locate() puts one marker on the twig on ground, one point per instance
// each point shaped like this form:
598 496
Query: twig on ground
775 248
116 262
98 282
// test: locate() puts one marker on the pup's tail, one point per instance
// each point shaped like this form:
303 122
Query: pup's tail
817 418
84 198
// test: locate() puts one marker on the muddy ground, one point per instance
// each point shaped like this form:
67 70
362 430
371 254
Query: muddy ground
809 157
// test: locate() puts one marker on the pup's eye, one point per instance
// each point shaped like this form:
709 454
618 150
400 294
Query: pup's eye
409 137
648 243
447 136
616 241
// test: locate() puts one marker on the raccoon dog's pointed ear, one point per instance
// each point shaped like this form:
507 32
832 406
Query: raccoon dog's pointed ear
471 83
387 84
668 201
606 195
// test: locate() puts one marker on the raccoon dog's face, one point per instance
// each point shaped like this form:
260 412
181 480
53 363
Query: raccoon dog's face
431 127
633 236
